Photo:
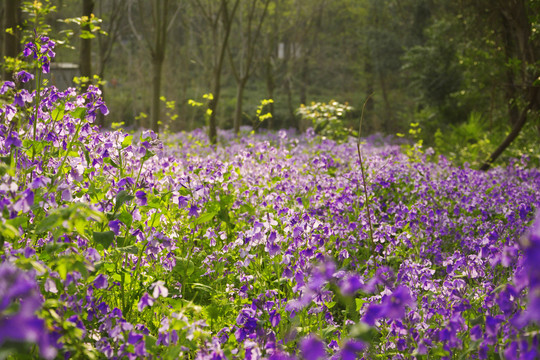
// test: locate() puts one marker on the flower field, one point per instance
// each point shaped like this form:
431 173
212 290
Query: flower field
117 245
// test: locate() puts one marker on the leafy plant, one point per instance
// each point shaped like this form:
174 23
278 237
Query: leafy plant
327 119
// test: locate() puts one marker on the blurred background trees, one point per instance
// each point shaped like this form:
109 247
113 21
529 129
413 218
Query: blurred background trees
466 71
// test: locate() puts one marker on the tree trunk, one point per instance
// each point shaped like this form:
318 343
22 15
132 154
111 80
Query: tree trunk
304 79
389 115
157 66
212 106
514 133
270 85
510 89
370 104
288 89
85 61
241 85
11 41
518 45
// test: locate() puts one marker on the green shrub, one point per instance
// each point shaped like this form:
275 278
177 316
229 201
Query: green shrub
327 119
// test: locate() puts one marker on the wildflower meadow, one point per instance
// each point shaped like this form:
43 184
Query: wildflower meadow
268 246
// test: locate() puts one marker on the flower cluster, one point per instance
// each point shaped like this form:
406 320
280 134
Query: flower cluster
19 304
42 50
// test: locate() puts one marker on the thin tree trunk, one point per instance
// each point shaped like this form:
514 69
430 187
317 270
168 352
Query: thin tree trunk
157 66
212 106
227 20
510 89
239 102
304 79
270 85
85 61
288 89
389 115
370 104
514 133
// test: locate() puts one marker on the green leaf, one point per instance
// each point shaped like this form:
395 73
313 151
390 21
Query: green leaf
183 266
331 304
8 231
48 223
173 352
131 249
204 218
150 343
127 141
79 113
58 113
147 155
87 35
109 161
202 287
155 219
67 264
360 303
104 239
121 198
126 218
85 152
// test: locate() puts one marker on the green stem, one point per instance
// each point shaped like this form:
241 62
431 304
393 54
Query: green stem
36 112
139 174
68 150
372 243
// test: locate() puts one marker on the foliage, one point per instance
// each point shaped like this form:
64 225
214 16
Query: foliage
259 116
121 245
327 119
90 25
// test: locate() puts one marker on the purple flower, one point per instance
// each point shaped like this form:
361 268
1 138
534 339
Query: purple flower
134 338
351 349
9 112
13 140
391 307
114 225
351 284
193 210
50 286
18 287
125 181
312 348
25 202
140 198
532 259
492 325
278 355
45 65
6 86
275 318
146 300
101 282
182 202
24 76
29 49
159 289
18 100
476 333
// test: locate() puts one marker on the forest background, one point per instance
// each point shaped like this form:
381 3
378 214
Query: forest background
459 76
